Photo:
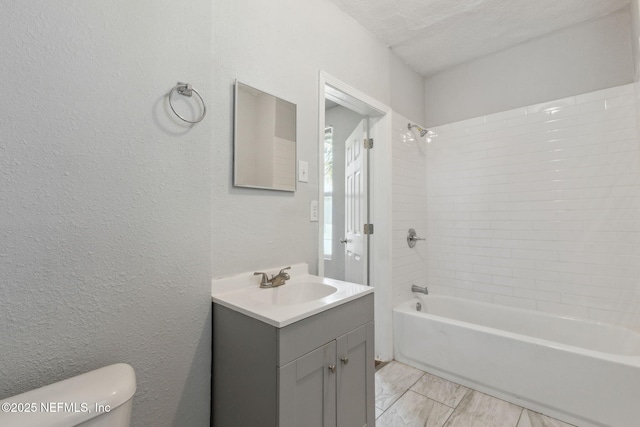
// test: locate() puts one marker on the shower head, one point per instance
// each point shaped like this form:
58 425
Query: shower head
423 132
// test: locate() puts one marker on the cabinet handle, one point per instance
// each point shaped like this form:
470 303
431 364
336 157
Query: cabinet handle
345 359
332 368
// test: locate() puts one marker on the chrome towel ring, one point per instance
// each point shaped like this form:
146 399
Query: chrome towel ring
187 90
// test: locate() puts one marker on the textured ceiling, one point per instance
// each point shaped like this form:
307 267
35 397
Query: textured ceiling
433 35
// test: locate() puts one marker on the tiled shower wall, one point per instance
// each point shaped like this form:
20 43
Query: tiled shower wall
409 205
537 207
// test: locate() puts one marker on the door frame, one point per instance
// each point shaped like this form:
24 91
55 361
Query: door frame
379 202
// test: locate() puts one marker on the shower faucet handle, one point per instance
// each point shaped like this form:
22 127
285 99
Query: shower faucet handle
412 238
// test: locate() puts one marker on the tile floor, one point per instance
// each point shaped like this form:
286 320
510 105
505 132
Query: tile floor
406 396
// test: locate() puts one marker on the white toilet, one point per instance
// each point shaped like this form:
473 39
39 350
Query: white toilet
100 398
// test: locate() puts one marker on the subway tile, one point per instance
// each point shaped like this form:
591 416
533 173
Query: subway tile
538 273
473 277
513 281
474 295
603 281
627 101
492 252
549 255
605 93
552 105
493 270
579 288
563 309
514 302
517 112
511 225
513 263
537 295
547 203
493 289
578 109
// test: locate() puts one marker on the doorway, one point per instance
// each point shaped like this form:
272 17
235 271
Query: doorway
345 194
355 196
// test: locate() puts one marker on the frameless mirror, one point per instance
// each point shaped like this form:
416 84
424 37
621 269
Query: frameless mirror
264 140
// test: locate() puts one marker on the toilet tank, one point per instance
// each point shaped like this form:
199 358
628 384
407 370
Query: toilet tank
100 398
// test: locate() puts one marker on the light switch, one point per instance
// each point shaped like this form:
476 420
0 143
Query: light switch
313 211
303 171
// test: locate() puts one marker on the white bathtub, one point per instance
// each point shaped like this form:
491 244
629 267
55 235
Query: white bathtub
581 372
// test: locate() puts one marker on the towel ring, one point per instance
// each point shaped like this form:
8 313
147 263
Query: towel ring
187 90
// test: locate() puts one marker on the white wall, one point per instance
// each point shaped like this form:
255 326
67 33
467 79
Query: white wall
260 44
538 207
580 59
634 12
105 200
407 91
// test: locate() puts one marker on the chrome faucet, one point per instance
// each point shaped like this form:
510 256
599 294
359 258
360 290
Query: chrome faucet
420 289
276 280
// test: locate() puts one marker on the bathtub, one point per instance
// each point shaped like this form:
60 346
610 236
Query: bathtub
581 372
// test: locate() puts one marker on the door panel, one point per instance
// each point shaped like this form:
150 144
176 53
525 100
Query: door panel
356 371
355 205
308 390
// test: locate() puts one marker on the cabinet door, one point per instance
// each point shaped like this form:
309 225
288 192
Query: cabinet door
307 389
356 371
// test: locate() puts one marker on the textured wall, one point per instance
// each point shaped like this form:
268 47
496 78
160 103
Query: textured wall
260 44
539 207
105 200
579 59
108 200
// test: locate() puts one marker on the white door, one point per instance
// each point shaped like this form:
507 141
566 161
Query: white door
355 206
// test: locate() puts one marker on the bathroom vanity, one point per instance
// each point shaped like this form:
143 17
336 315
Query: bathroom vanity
293 358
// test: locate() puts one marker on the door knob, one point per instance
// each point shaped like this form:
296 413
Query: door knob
345 359
343 240
332 368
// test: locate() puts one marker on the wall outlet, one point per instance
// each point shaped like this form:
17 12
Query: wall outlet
313 211
303 171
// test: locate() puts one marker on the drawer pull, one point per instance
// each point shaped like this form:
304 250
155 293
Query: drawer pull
345 359
332 368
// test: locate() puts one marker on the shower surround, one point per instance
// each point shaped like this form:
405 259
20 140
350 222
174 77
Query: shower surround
539 207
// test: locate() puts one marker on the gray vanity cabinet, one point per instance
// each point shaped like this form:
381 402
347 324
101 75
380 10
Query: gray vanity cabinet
329 387
318 371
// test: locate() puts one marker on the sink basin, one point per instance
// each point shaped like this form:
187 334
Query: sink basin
294 293
302 296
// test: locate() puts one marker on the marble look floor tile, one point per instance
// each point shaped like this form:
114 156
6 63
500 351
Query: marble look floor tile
534 419
480 410
414 410
440 390
392 381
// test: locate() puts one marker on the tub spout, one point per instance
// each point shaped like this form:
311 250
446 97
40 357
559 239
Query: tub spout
420 289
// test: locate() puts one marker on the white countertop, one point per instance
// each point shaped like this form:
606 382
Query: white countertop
243 294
